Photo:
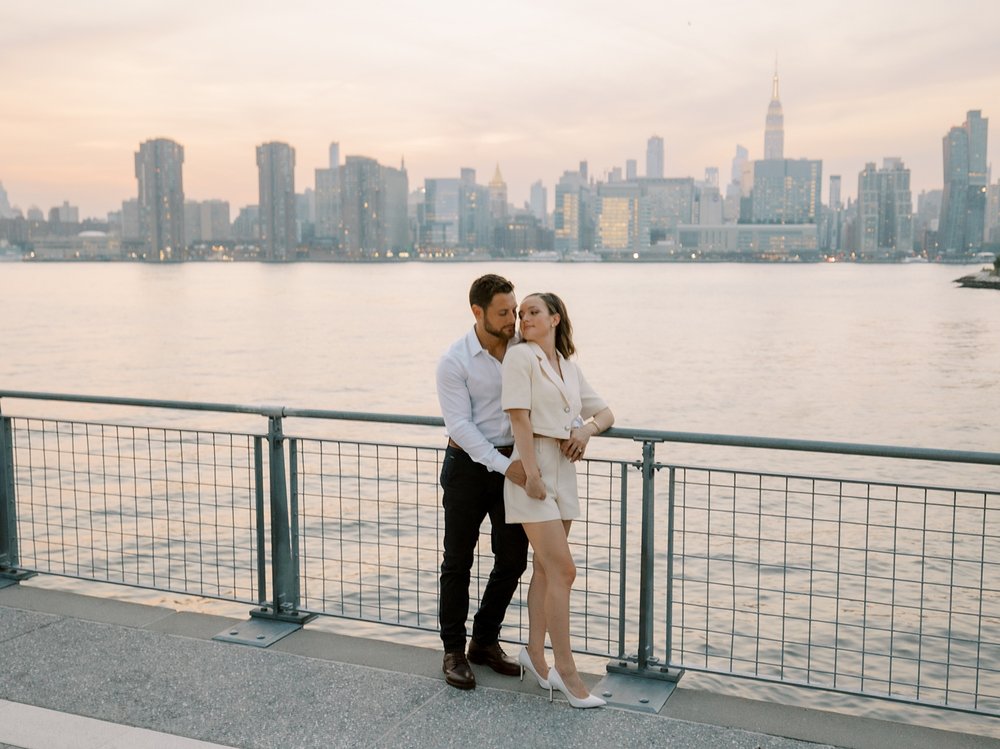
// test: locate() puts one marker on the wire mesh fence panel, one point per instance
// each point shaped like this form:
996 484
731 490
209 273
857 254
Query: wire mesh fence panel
882 589
371 530
164 509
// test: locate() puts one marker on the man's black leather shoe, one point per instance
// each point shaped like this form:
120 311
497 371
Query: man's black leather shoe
494 657
457 671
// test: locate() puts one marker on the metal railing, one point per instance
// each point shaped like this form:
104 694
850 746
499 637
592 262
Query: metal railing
888 589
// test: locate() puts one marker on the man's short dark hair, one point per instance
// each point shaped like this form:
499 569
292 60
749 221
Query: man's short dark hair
486 287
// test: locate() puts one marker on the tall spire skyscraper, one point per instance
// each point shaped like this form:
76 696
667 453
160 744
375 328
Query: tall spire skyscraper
774 127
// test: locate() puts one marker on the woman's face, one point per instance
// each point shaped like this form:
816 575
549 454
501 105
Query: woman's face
537 322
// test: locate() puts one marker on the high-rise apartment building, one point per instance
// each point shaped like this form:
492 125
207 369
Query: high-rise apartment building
441 213
774 124
569 215
631 170
158 170
328 199
885 209
276 179
785 191
373 207
963 209
654 158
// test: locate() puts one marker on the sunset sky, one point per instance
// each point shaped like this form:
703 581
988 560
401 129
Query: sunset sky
534 86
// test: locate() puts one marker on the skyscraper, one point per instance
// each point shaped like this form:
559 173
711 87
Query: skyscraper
885 209
654 158
498 196
328 199
963 208
774 125
276 178
540 203
373 207
158 170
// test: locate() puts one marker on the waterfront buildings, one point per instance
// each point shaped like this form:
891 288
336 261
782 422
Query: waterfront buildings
207 221
963 207
276 181
158 170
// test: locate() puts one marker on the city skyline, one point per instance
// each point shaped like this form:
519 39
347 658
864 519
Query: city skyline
533 89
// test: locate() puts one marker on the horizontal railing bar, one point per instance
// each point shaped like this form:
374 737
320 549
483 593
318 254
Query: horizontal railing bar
105 400
644 435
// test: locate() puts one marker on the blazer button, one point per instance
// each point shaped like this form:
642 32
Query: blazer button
566 409
566 427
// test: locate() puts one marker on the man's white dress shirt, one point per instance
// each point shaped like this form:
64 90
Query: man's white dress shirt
468 385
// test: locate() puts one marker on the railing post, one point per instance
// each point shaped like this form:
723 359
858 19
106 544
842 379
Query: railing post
281 616
284 570
647 558
641 683
9 558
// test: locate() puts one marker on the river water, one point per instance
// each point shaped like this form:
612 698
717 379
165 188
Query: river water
887 354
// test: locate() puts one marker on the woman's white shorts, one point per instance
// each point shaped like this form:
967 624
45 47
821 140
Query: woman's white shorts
559 476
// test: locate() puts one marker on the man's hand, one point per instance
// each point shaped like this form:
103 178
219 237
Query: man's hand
516 474
534 487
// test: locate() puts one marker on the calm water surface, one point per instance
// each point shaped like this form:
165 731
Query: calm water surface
892 354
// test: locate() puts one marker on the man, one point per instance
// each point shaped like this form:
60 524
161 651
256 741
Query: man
476 461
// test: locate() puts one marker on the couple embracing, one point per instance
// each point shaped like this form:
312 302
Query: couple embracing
518 413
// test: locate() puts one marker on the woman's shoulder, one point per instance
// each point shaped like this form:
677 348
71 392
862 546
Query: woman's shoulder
520 352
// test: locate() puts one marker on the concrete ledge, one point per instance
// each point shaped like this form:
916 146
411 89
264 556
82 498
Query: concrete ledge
88 608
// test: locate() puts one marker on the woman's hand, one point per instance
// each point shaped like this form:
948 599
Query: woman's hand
534 487
574 447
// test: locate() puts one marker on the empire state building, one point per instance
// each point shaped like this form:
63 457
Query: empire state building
774 127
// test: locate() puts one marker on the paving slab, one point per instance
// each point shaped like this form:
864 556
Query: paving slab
89 608
15 622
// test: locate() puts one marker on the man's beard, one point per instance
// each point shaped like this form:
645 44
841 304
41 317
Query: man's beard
498 332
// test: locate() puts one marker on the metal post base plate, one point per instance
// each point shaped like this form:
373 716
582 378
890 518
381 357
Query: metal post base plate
634 692
12 576
258 632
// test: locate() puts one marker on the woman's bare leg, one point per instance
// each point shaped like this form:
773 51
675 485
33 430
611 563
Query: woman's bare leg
536 618
551 551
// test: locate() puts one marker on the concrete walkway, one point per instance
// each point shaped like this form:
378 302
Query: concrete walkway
85 672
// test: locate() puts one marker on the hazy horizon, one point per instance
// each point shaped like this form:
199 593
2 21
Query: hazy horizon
534 88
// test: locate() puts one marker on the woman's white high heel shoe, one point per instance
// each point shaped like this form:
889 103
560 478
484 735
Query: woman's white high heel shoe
526 665
555 680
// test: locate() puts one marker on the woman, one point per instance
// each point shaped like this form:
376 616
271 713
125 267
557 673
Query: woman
548 400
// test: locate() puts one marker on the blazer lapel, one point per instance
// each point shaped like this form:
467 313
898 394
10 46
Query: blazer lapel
549 372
